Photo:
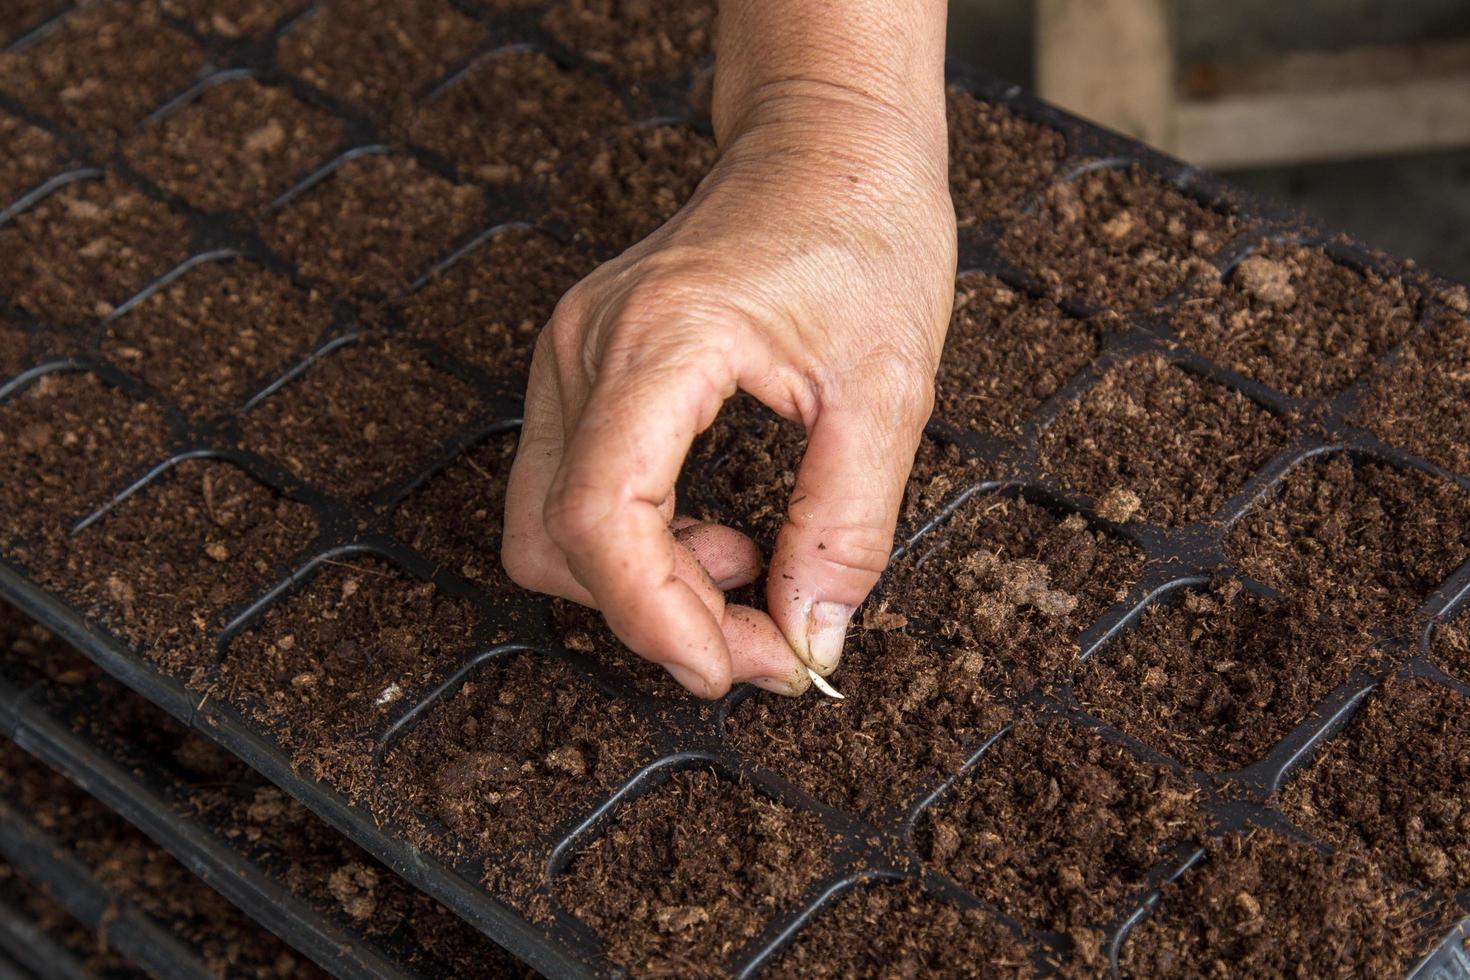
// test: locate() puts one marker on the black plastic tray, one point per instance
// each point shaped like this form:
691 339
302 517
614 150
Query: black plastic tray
27 951
689 736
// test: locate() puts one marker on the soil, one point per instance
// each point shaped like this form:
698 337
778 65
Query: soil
83 250
1215 678
58 925
19 16
374 224
997 159
66 442
1450 650
490 305
14 350
1370 540
585 632
1392 785
236 147
231 18
614 194
29 648
1263 905
105 67
326 667
1418 404
690 872
912 714
377 54
542 112
1117 239
28 155
217 334
1057 826
1179 443
637 41
1012 584
896 930
365 415
522 746
1292 318
455 518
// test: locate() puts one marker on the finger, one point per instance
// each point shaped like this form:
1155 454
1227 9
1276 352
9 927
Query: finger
839 528
761 654
730 558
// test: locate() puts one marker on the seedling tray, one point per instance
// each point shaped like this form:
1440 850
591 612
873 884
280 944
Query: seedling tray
353 516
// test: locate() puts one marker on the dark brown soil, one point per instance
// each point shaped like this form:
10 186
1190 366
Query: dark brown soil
1117 239
66 441
235 148
913 711
636 40
58 925
86 248
374 225
617 192
377 54
1006 353
231 18
1292 318
1056 826
489 306
329 664
1372 541
105 67
1450 650
14 350
1150 433
1419 405
19 16
36 649
896 930
215 335
541 112
1216 678
996 158
28 155
1265 906
1012 584
522 746
584 631
455 519
691 872
363 416
1392 785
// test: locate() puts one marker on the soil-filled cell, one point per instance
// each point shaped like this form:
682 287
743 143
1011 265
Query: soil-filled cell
996 158
637 42
28 155
232 19
1419 405
585 632
32 651
1450 649
455 518
20 16
60 926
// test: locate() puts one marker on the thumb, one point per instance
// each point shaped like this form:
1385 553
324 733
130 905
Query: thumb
839 526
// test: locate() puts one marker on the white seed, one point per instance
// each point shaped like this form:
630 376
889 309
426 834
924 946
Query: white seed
823 686
390 694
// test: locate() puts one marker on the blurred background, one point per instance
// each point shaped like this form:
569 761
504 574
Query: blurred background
1355 111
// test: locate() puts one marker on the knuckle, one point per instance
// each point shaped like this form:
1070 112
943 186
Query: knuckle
523 565
574 513
860 550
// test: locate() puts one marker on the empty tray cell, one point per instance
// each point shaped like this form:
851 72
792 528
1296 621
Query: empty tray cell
374 224
1293 318
1056 826
377 53
1450 649
524 745
105 67
360 418
996 158
489 306
1419 404
690 872
28 155
912 714
1215 678
162 566
1013 584
637 42
327 666
66 442
541 111
897 930
1372 541
1006 354
216 334
585 632
1153 442
1119 239
1392 785
236 147
88 946
1262 905
615 193
454 519
232 18
85 249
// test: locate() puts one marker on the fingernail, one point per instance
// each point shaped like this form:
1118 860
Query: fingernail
826 631
691 679
791 685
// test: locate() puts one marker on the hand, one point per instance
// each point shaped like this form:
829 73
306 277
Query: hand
813 268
